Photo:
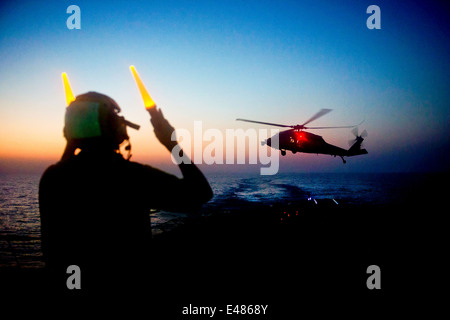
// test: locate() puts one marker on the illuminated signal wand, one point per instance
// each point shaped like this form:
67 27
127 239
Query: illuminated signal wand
67 89
70 147
150 105
163 130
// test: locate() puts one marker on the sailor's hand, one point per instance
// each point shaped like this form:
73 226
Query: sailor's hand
163 130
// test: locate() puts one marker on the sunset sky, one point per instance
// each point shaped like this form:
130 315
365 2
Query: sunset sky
215 61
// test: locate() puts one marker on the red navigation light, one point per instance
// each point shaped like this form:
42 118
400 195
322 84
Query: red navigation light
300 136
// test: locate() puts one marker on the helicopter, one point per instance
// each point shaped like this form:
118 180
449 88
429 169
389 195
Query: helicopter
298 140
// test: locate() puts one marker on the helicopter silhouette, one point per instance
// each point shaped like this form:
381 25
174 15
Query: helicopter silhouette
298 140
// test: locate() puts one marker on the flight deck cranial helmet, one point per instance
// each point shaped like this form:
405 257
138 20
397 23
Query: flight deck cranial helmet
93 117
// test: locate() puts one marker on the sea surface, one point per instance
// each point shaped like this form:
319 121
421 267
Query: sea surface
20 244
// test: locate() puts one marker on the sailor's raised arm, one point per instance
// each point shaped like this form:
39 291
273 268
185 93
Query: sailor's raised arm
196 189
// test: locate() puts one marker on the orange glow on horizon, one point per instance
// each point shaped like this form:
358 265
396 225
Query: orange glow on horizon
49 147
148 101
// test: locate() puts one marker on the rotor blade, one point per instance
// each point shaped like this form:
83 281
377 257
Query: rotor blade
319 114
328 127
355 132
268 123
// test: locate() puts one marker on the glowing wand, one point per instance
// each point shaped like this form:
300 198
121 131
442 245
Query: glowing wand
150 105
67 89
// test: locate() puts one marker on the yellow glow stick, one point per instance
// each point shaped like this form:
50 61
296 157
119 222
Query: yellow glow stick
67 89
148 101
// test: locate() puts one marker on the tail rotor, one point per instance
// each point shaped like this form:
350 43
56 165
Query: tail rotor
358 137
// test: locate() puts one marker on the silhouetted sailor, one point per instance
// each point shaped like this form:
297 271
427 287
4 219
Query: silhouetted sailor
94 204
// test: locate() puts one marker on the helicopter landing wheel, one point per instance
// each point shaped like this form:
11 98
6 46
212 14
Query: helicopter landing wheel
343 160
283 152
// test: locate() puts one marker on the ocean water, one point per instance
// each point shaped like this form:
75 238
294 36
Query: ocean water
20 244
352 188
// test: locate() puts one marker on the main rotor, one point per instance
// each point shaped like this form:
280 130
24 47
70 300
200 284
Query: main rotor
303 126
